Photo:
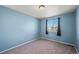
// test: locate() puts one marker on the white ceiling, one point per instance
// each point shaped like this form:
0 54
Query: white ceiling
48 11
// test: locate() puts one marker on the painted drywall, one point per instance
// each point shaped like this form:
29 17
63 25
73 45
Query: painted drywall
68 29
16 28
77 28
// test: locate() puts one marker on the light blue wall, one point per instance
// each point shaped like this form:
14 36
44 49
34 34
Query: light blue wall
77 28
68 28
16 28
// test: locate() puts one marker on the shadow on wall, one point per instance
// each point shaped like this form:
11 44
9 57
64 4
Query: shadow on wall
16 28
68 29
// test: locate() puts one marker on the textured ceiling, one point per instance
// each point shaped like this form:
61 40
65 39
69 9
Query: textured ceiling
48 11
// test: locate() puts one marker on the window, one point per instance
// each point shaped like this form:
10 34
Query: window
52 25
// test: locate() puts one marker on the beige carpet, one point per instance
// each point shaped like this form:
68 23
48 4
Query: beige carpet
43 47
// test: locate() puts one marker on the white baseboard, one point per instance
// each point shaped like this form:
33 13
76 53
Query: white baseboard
58 41
36 39
17 46
63 43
